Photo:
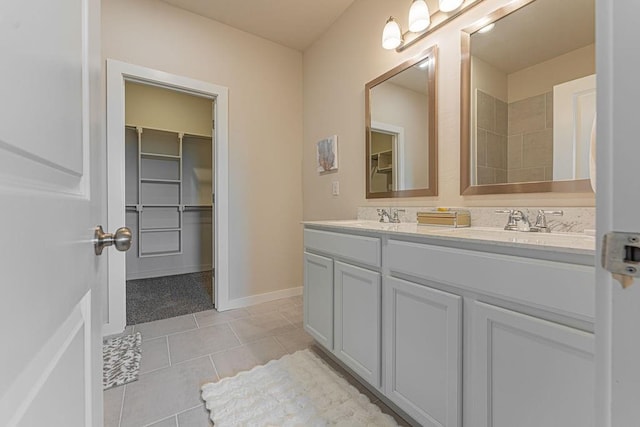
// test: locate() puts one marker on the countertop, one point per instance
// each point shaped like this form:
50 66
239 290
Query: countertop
577 248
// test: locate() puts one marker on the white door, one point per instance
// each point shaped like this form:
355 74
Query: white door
618 208
51 166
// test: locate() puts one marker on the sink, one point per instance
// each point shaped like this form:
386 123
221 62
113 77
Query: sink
577 240
350 223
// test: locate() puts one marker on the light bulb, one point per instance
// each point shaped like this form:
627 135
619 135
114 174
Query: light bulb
419 17
449 5
487 28
391 35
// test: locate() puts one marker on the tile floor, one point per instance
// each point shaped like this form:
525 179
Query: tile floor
182 353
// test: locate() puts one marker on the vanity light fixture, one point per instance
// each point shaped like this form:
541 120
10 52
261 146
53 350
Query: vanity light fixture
419 16
422 22
419 20
449 5
392 34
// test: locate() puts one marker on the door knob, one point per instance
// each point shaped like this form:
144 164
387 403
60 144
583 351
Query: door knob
121 239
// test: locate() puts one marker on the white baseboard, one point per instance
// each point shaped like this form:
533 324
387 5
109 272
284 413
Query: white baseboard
168 272
260 298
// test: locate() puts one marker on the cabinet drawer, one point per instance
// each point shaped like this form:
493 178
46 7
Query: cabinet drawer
566 289
360 249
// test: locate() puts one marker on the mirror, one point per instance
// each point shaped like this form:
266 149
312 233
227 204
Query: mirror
528 98
401 130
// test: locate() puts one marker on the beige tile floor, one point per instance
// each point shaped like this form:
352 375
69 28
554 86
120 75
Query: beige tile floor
182 353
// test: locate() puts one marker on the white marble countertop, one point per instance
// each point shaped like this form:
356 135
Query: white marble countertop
568 247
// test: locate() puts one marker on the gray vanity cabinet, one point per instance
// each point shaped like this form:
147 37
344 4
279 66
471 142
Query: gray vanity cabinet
358 320
342 298
423 336
529 372
318 298
456 336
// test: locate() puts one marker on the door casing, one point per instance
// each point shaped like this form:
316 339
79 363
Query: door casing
117 73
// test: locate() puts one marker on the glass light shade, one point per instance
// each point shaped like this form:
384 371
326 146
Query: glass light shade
449 5
487 28
391 35
419 18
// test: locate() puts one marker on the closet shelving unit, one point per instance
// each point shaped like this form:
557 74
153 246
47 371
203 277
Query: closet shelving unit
384 161
161 193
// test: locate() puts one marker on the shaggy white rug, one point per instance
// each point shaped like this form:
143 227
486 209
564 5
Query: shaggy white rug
299 389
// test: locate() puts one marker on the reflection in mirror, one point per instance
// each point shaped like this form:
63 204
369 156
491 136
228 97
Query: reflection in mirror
401 130
529 98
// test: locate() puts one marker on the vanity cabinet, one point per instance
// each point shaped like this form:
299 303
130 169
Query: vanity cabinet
423 336
529 372
456 335
342 299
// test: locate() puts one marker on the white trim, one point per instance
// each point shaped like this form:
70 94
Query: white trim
266 297
18 398
117 73
398 150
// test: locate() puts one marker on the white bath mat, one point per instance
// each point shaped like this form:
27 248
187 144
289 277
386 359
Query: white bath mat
299 389
121 360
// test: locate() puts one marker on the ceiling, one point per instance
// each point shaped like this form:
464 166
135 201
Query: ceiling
538 32
293 23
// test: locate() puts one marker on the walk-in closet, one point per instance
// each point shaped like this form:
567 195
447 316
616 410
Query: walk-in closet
169 202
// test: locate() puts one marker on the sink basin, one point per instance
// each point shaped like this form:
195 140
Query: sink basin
351 223
551 239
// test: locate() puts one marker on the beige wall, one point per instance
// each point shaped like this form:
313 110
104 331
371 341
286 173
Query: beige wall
541 78
488 79
165 109
265 126
336 68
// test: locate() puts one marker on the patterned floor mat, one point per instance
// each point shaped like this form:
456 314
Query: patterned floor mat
121 360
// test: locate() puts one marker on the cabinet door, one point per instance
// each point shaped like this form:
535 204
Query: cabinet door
423 332
358 333
318 298
529 372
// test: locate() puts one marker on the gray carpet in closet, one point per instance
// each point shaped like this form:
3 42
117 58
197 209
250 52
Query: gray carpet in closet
168 296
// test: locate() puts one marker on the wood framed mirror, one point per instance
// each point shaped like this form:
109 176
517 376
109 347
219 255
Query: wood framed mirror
528 98
401 130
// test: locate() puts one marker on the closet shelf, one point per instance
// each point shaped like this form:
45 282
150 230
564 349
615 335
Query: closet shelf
198 207
160 253
159 156
161 181
159 230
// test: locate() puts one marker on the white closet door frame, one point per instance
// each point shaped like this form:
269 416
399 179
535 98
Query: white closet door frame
117 73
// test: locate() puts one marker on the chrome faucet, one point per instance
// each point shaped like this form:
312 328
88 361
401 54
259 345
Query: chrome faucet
541 220
390 216
394 215
382 213
518 220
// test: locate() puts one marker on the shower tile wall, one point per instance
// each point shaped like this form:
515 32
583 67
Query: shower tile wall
530 146
492 125
514 141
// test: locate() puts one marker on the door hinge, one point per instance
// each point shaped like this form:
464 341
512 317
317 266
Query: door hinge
621 256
